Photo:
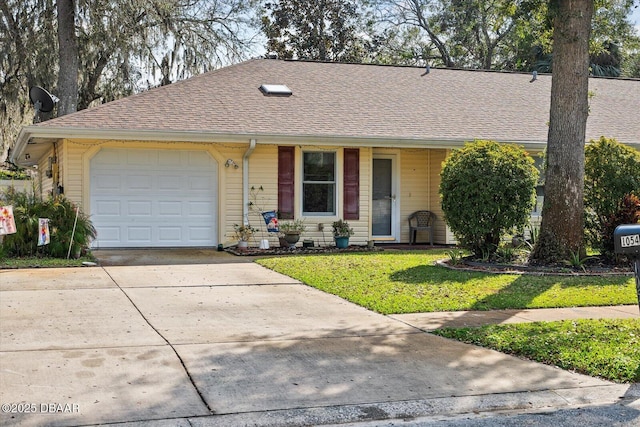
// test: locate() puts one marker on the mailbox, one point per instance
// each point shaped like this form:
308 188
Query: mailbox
626 240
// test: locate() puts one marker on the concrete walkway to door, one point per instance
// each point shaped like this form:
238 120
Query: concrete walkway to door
237 344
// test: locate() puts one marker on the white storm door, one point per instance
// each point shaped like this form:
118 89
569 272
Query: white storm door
384 224
153 198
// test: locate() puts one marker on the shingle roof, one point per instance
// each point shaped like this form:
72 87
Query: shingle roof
361 101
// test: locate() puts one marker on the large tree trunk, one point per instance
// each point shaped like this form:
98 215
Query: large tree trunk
68 53
562 228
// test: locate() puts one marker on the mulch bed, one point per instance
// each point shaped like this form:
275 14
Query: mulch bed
597 268
594 268
299 250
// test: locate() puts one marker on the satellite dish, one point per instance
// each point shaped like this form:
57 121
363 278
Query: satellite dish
42 100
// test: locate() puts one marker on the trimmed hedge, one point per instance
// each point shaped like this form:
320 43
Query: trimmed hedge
487 189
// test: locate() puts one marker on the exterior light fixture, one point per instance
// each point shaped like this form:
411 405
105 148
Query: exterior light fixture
230 162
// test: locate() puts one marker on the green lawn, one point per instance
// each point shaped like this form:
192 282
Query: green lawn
608 349
405 282
42 262
408 282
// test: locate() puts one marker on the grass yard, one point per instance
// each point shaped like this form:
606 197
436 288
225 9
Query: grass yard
42 262
408 282
609 349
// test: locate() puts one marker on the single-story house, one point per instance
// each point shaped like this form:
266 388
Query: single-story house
174 166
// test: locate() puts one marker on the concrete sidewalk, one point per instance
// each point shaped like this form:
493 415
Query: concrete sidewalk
237 344
460 319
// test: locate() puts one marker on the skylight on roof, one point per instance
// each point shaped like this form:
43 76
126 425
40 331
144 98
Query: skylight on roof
275 90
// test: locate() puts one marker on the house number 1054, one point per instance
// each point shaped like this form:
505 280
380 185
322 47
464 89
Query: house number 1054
631 240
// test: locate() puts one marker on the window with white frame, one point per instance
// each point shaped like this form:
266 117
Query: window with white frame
319 183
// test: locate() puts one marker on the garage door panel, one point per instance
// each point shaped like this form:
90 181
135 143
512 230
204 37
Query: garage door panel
140 234
147 198
171 183
170 159
200 183
138 182
201 234
199 208
170 234
170 208
106 182
141 157
110 234
107 208
139 208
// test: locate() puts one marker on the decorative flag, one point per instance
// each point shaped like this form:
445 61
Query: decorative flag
271 219
7 221
43 235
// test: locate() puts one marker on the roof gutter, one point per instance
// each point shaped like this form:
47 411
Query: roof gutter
245 181
38 134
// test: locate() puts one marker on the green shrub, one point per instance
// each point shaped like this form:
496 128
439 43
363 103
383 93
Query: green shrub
13 175
628 212
487 189
612 170
27 209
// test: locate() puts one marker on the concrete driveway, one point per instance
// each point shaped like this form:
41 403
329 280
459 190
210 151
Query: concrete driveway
237 344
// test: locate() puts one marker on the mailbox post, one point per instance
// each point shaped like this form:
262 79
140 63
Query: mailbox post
626 241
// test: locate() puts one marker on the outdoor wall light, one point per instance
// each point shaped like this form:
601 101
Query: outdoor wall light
230 162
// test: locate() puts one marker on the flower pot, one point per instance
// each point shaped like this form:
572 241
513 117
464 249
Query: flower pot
264 244
342 241
292 238
243 245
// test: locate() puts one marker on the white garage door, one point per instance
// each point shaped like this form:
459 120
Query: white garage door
153 198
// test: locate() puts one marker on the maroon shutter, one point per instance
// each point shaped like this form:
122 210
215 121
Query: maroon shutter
286 187
351 183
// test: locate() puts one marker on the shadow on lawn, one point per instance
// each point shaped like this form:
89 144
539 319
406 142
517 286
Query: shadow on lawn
519 293
508 299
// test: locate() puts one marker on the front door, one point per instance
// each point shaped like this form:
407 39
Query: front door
384 206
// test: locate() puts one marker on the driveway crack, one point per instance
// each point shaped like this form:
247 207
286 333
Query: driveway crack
184 366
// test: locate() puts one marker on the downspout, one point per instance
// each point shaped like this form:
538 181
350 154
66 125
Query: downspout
245 181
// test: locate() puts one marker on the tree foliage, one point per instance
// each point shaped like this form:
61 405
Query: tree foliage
325 30
508 34
124 46
612 171
488 34
481 211
627 212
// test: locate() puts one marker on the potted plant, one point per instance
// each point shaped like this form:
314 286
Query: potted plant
243 233
341 233
291 231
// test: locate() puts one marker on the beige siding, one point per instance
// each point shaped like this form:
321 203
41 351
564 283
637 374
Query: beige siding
418 173
263 171
442 234
362 227
71 171
230 190
415 187
45 184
